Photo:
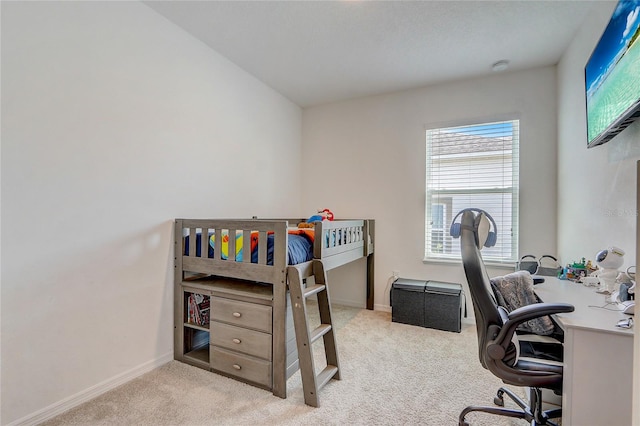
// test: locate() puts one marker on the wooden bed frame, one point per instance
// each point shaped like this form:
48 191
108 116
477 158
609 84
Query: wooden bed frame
336 242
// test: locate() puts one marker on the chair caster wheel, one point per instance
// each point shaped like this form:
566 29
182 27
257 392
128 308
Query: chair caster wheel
499 401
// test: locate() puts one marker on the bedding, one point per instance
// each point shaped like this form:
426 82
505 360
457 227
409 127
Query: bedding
300 246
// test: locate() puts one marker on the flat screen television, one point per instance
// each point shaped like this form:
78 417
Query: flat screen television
612 76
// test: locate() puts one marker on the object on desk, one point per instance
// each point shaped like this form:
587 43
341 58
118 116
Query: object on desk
590 281
576 270
609 260
626 292
528 262
628 307
625 323
630 304
624 297
563 274
548 266
627 282
631 275
575 274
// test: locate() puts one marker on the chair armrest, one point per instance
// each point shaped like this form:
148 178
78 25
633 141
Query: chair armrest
537 310
526 313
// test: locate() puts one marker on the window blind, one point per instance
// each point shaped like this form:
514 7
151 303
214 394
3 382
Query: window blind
472 166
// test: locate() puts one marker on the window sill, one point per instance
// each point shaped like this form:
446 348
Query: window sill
511 266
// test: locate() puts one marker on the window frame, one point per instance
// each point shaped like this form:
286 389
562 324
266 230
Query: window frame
445 196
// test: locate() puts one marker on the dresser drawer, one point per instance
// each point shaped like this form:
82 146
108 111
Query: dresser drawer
242 366
242 314
239 339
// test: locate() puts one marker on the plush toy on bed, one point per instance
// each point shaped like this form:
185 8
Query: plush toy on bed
325 214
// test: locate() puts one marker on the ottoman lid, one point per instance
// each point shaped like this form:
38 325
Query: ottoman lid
443 287
409 284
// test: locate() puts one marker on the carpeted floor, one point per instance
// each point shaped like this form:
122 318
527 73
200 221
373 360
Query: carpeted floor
392 374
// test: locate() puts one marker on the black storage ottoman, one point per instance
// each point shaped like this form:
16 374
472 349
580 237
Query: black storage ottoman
431 304
443 306
407 301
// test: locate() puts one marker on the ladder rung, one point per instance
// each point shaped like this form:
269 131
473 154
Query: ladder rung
326 375
316 288
319 331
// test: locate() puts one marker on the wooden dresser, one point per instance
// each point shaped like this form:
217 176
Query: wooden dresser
227 328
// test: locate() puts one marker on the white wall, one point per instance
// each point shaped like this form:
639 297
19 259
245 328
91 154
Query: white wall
597 186
373 150
115 122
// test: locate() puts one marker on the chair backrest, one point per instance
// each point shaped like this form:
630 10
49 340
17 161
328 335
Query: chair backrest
488 316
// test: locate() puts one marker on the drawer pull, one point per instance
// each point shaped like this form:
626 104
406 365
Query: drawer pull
237 314
236 341
237 367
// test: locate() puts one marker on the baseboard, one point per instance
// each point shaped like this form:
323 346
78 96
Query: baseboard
469 320
349 303
92 392
359 305
383 308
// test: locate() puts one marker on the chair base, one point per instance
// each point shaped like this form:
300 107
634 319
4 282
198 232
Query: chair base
531 412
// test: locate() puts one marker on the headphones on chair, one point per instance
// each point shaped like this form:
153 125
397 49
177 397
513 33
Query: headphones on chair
492 237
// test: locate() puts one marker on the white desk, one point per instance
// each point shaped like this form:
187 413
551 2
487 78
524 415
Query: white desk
598 357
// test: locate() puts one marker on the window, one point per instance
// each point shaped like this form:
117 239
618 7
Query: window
472 166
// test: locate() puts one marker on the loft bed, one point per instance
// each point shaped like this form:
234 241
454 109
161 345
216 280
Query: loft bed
253 279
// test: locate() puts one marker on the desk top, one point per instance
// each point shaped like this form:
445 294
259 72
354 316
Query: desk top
592 310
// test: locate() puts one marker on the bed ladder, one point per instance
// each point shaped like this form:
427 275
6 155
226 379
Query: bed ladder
312 382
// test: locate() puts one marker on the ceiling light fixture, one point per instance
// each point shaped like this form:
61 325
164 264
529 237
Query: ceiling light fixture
500 65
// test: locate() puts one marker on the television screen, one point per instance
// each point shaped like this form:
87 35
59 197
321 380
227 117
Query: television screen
612 76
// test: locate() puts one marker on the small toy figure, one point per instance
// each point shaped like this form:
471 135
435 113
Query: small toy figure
563 274
325 214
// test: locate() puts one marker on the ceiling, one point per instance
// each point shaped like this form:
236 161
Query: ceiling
315 52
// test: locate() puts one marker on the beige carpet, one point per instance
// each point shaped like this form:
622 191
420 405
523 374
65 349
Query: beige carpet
392 374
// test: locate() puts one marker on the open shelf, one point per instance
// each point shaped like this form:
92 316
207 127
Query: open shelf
204 327
199 355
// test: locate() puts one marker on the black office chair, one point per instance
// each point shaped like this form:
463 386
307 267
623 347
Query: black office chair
497 342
